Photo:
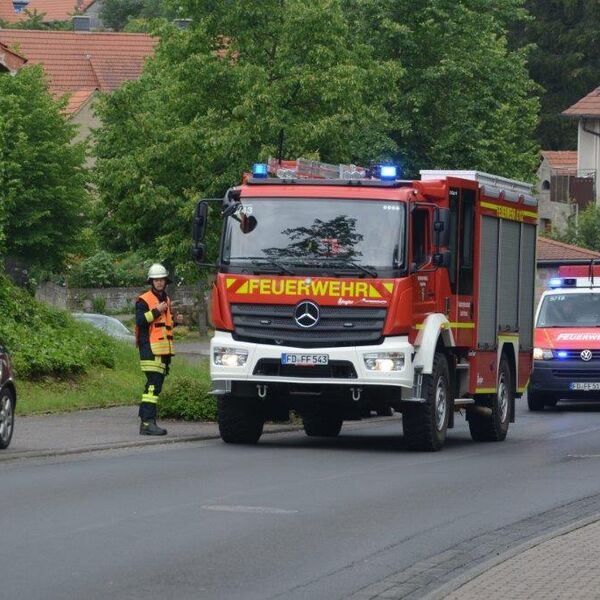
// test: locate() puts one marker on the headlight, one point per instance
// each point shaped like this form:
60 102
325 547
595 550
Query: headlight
385 362
542 354
230 357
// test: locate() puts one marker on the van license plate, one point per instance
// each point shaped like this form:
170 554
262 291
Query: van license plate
305 360
586 386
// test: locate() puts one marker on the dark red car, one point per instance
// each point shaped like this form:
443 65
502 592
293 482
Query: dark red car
8 400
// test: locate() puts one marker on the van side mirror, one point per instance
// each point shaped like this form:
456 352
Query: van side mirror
441 227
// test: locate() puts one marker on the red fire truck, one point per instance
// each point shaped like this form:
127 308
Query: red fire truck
567 339
340 292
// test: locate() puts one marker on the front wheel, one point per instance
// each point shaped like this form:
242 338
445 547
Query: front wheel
494 427
425 425
241 420
7 418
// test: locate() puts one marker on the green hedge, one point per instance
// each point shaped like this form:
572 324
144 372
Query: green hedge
187 397
44 341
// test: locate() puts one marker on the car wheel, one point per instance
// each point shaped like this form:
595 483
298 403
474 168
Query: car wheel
7 418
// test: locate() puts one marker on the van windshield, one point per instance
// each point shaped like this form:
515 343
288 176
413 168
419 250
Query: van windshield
298 235
570 310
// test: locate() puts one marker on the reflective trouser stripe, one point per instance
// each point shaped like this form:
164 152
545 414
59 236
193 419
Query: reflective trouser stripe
155 366
150 398
149 316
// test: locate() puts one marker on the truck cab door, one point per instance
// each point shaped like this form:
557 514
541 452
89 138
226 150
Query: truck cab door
461 311
420 260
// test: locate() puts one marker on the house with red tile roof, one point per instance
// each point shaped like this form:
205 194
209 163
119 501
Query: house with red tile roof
8 14
552 254
53 11
587 112
82 63
10 61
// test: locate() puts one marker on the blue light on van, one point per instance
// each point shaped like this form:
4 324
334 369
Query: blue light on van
388 172
555 282
562 354
260 170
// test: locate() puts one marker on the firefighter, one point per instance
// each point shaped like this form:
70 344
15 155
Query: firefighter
154 333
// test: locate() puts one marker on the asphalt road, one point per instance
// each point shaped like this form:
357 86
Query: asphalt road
290 518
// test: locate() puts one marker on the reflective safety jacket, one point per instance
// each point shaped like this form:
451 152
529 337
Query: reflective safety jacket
154 331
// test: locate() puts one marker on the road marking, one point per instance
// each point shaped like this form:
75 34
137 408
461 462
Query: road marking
567 434
261 510
583 455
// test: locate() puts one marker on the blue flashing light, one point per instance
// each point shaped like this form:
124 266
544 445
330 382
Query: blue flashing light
555 282
388 172
562 354
260 170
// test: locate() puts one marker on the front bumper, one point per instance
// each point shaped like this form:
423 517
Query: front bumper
253 372
567 378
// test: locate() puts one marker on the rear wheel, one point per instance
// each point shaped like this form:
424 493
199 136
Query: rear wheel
7 417
322 425
241 420
425 425
493 428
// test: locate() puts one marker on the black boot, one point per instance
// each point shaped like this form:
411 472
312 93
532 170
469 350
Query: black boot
151 428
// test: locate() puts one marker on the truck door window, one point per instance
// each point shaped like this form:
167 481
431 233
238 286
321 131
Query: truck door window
467 222
453 200
420 237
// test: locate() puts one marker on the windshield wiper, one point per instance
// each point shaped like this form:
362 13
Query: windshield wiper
258 261
348 263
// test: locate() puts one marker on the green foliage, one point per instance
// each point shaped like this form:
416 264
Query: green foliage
42 177
104 269
467 96
188 398
118 14
35 20
583 231
565 61
198 119
48 342
99 304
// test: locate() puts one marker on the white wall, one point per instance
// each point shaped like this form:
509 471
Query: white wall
588 149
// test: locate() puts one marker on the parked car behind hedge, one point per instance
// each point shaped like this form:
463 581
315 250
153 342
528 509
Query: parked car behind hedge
108 325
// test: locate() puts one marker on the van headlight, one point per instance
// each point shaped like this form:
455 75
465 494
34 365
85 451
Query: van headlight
386 362
542 354
230 357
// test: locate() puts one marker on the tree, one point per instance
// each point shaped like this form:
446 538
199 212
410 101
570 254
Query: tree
43 197
116 14
583 231
468 97
213 102
565 61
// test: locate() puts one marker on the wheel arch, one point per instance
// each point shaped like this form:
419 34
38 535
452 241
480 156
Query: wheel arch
507 348
434 336
10 385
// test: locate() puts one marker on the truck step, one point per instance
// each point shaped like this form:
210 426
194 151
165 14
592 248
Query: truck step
461 402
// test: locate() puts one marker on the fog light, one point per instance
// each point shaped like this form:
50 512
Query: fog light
386 362
230 357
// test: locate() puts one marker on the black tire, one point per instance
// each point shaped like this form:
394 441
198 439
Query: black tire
425 425
385 411
494 428
317 425
241 420
7 417
535 401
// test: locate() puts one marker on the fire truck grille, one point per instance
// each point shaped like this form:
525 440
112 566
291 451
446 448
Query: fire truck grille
577 374
337 326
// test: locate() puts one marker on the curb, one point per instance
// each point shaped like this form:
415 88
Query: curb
456 583
160 442
121 445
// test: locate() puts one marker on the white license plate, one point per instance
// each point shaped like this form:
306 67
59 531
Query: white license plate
305 360
586 386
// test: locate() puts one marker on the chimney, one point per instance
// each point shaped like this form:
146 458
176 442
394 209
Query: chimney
81 23
182 23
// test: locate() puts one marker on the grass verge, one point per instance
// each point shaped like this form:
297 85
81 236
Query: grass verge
120 386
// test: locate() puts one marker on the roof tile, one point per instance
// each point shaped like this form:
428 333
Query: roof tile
551 250
561 159
588 106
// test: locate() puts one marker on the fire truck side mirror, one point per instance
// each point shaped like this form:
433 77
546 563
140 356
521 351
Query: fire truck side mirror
200 221
441 227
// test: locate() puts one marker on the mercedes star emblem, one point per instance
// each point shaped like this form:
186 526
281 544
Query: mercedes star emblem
306 314
586 355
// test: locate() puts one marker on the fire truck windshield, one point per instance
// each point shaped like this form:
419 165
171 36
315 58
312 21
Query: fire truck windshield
570 310
340 236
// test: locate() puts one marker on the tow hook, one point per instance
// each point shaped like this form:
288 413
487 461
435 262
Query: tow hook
356 392
262 391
